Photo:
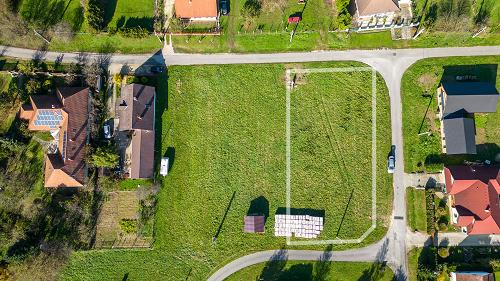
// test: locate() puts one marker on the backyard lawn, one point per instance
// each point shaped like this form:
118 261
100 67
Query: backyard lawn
224 130
307 271
415 201
422 146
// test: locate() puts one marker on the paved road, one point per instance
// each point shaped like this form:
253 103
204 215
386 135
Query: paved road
391 64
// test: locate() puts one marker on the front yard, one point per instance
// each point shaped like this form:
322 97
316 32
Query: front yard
415 202
422 146
224 130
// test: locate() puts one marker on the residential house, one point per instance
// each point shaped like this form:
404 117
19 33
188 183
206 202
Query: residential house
380 12
473 193
471 276
457 104
196 10
65 116
136 111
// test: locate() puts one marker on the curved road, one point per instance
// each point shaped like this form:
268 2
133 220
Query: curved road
391 64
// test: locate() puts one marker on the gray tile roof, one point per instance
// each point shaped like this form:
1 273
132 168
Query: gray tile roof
472 97
460 135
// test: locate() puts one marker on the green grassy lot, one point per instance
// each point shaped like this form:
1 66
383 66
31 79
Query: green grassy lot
224 131
423 152
296 270
106 43
130 13
331 142
415 200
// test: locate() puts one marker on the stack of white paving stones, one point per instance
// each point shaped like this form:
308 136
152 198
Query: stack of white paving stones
302 226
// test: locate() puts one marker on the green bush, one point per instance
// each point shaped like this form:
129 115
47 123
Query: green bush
343 16
134 32
443 252
95 14
128 226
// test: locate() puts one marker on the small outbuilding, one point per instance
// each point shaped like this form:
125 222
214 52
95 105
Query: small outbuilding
254 224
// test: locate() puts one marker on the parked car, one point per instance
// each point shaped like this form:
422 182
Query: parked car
164 166
391 160
224 7
157 69
107 131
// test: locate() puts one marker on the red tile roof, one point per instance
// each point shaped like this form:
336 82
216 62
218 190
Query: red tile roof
186 9
475 192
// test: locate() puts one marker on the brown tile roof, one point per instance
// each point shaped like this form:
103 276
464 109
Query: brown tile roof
45 102
186 9
67 168
474 276
142 162
76 105
136 107
372 7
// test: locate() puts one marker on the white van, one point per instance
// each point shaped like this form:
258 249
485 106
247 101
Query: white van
164 166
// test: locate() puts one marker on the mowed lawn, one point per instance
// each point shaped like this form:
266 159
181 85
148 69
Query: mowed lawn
224 128
415 202
307 271
130 13
422 145
331 141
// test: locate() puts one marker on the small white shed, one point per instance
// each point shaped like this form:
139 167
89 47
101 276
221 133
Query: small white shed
164 166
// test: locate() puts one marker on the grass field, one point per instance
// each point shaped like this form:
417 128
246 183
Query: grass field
423 152
415 201
224 129
307 271
130 13
331 143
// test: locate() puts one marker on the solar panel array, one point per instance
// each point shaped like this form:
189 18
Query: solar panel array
50 118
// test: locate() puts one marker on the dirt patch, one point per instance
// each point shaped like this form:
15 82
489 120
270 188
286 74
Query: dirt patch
121 205
427 81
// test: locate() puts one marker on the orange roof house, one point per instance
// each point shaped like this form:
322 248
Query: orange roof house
474 193
65 116
196 10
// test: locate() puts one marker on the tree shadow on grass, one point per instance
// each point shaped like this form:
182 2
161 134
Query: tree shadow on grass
109 11
259 206
274 266
43 13
323 265
377 269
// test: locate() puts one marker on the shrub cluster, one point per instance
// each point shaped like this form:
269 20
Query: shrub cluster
95 14
343 16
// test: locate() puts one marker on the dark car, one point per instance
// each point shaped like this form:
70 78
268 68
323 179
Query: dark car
157 69
224 7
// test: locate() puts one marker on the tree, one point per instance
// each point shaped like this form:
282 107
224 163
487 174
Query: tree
104 157
95 14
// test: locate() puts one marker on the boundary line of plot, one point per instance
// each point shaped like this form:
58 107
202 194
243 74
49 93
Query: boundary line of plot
289 88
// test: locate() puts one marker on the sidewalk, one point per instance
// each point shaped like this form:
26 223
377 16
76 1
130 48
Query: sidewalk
462 239
423 179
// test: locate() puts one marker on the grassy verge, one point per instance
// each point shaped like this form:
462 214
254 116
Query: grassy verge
110 43
296 270
415 200
225 135
280 42
422 146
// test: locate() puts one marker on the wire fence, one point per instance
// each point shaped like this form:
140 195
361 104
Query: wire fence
123 242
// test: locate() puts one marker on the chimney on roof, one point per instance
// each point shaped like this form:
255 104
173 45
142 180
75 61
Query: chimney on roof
53 106
139 116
